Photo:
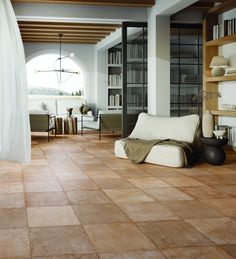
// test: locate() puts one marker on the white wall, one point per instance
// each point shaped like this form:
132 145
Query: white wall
84 56
159 54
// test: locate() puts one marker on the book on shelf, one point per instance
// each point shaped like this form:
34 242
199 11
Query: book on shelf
114 80
136 51
114 57
137 76
228 27
114 100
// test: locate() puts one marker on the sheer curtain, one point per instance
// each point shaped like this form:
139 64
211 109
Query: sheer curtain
15 143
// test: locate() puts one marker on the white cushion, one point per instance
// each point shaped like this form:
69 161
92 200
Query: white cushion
178 128
165 155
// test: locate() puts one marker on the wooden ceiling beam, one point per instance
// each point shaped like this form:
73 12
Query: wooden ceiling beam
128 3
65 30
64 41
32 24
28 33
64 38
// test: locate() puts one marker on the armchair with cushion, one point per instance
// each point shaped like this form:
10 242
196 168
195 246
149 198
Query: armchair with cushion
107 121
42 122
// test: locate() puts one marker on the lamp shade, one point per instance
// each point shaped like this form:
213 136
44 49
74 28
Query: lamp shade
218 61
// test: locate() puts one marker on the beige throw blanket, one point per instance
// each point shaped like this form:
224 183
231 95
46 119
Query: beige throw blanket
137 149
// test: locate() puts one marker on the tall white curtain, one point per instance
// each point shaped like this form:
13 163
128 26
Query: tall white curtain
15 142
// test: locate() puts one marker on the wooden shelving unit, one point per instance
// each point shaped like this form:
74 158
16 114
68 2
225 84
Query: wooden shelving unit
223 112
210 49
221 78
222 41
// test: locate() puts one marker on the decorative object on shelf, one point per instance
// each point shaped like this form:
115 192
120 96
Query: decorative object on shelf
219 133
69 112
61 70
231 71
207 124
217 64
228 107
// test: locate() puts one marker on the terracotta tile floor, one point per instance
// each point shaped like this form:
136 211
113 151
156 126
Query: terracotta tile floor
77 200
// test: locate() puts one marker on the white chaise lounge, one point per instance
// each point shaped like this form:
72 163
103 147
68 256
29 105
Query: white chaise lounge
151 127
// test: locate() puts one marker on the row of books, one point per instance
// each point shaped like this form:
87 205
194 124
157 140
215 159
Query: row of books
115 80
114 57
136 100
136 51
228 27
114 100
188 99
136 76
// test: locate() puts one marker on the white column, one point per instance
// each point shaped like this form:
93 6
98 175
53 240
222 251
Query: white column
159 65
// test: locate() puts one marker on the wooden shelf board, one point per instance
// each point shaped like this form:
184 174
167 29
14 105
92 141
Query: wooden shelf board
222 41
221 78
223 112
223 7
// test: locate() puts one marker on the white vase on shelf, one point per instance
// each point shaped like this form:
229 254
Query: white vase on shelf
207 124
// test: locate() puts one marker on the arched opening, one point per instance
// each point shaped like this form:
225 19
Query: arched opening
44 80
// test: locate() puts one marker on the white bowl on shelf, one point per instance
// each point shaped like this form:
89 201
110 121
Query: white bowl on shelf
219 133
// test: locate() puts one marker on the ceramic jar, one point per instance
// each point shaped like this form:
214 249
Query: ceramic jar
207 125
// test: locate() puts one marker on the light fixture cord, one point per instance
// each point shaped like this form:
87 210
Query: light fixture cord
60 57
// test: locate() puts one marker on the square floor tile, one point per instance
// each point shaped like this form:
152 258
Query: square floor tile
148 182
127 196
38 177
78 185
182 181
70 240
10 177
165 194
108 184
146 211
14 243
203 193
173 234
203 252
100 213
222 231
191 209
45 199
229 189
51 216
117 237
42 186
70 176
134 255
101 174
231 249
87 197
132 173
224 206
12 200
13 218
212 179
11 187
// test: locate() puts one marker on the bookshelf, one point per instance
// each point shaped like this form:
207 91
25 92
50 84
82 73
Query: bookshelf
185 67
212 42
114 87
134 46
